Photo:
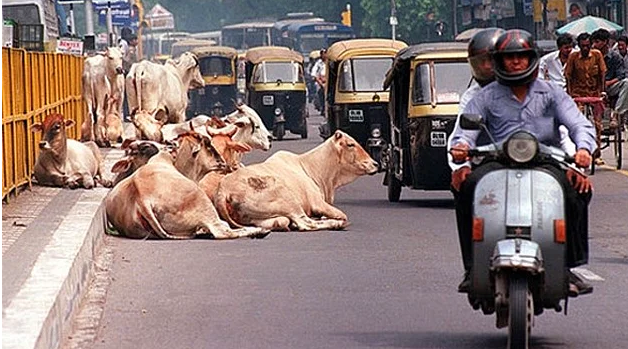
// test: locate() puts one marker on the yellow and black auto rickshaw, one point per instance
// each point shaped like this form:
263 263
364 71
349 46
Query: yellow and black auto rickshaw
356 101
426 83
275 88
218 67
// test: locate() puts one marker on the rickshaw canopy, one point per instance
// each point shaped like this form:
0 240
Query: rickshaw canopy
425 51
206 51
273 53
182 46
360 47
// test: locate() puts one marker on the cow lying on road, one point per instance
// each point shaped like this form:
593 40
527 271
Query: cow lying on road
290 191
64 162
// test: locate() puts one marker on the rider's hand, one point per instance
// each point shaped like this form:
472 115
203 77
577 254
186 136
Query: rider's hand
459 152
459 176
579 181
582 158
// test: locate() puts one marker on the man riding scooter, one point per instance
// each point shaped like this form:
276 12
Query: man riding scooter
516 101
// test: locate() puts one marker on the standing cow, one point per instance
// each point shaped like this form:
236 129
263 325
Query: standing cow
64 162
102 76
293 191
152 86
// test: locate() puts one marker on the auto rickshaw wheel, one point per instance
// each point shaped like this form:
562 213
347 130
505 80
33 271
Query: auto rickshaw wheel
394 185
280 131
304 131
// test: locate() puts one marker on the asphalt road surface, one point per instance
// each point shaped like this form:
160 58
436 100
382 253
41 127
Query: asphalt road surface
388 281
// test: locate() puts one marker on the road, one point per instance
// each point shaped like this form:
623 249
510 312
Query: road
388 281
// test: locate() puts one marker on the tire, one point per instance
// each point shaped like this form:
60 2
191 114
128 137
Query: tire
618 146
280 131
520 312
394 185
304 130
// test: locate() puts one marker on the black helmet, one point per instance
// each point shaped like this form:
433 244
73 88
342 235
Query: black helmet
515 41
480 49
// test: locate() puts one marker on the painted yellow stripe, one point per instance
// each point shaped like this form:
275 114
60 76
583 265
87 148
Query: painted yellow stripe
613 168
286 86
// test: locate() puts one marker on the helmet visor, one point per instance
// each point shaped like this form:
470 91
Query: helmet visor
482 67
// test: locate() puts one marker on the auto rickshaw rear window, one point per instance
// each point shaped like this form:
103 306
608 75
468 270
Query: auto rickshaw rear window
278 71
364 74
450 79
211 66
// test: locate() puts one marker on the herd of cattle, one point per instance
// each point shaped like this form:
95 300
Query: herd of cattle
181 179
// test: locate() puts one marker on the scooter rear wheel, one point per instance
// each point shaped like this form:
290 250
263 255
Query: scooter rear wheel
521 312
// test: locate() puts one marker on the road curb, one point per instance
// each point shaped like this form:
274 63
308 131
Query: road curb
40 315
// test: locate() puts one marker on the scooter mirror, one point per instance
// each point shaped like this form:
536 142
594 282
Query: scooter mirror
470 121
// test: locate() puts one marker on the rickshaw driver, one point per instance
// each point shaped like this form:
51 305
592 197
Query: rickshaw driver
519 100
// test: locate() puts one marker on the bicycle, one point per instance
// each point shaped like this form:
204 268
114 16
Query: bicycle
605 133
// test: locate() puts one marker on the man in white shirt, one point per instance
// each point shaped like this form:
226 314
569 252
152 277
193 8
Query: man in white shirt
552 65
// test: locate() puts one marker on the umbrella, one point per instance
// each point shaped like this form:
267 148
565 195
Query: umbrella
468 34
588 24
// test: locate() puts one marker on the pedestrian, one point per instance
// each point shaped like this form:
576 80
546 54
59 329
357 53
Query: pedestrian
519 100
622 48
616 83
575 12
584 75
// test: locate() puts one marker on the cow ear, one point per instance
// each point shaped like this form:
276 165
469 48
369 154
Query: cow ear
196 149
36 127
121 166
338 135
160 115
69 123
126 143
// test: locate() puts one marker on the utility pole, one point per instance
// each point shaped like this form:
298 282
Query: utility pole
90 38
393 18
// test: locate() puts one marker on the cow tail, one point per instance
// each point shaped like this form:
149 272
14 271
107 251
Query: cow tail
94 102
221 203
151 223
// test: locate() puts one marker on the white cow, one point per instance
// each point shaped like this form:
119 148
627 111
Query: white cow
293 191
101 77
151 86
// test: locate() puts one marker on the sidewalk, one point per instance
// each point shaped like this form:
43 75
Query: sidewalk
49 239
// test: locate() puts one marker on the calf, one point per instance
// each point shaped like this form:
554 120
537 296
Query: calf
64 162
113 121
157 201
289 190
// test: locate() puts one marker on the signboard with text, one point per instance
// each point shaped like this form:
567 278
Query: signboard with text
74 47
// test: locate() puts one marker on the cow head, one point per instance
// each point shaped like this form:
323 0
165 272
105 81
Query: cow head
230 150
149 124
351 156
114 61
137 154
196 156
253 132
189 70
53 131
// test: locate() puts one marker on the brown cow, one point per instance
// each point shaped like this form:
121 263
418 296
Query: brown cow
287 189
196 156
137 154
64 162
113 120
157 201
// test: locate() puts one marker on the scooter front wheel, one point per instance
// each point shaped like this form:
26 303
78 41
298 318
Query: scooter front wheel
520 312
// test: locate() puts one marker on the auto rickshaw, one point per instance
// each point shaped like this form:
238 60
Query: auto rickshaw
275 88
426 82
356 101
218 67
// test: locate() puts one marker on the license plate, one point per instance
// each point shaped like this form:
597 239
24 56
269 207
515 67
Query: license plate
356 115
438 139
268 100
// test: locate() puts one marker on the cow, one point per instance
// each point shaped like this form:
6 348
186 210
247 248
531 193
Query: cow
289 190
64 162
113 121
196 156
157 201
137 154
151 86
101 77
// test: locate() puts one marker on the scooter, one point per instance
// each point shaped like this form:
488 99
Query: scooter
519 233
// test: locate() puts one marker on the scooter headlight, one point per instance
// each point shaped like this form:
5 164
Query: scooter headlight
521 147
376 133
278 111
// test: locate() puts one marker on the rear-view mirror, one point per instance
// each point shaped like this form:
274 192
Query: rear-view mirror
470 121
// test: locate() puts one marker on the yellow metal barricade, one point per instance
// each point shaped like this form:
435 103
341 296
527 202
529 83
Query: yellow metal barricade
35 84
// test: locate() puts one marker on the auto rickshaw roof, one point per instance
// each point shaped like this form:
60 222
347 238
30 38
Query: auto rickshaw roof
206 51
272 53
316 54
439 50
359 47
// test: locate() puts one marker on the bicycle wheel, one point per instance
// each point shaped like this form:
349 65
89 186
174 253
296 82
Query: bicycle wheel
618 146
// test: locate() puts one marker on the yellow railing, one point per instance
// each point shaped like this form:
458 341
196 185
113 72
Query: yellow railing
35 84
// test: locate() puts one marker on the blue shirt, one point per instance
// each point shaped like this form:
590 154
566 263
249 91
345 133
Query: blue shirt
545 107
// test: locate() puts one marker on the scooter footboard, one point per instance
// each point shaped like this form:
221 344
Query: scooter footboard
516 216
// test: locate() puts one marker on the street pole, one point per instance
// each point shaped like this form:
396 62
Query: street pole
109 25
393 18
90 39
455 19
72 29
